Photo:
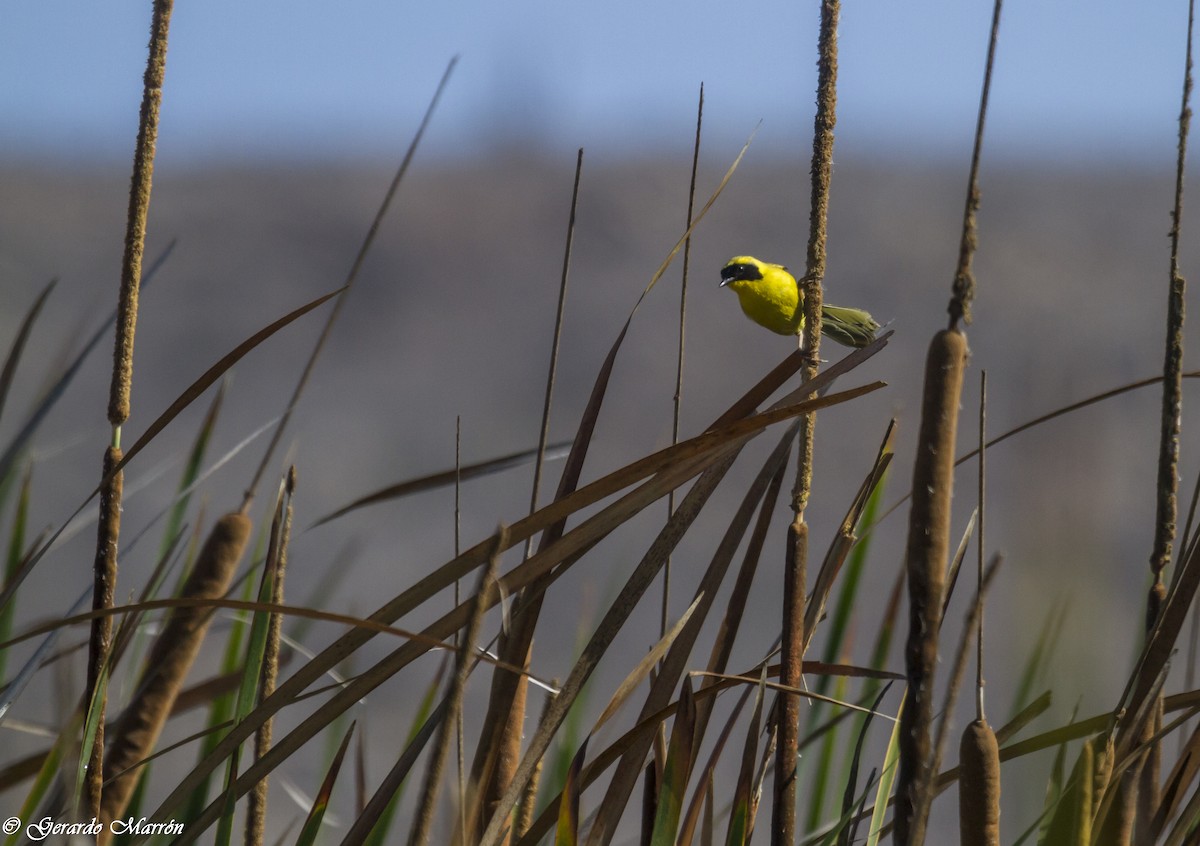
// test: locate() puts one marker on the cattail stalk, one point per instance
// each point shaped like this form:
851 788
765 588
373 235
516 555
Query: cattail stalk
1167 507
256 809
925 562
105 562
103 597
524 817
136 731
787 751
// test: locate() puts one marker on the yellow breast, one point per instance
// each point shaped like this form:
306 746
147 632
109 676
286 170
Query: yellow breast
772 301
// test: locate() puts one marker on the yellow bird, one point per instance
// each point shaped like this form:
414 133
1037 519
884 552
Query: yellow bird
771 297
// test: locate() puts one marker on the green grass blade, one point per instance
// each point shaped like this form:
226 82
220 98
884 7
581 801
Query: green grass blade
677 770
91 725
18 345
382 826
566 833
312 825
386 794
16 686
191 471
740 816
887 777
51 397
47 776
12 563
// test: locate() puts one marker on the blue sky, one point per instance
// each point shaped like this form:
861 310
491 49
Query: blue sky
351 78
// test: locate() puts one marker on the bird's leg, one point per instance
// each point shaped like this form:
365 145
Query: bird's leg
810 360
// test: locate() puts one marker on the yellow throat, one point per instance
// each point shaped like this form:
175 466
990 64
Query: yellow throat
767 293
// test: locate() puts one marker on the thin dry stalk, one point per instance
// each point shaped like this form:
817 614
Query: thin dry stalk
980 544
961 657
503 726
462 669
978 751
351 277
103 598
460 740
787 712
964 278
544 433
256 808
665 611
137 729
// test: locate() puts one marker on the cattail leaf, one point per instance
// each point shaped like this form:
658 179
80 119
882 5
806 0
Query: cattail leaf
839 627
566 832
741 813
51 769
18 345
722 648
56 390
887 777
16 686
206 380
677 770
444 478
379 824
674 665
647 728
1071 822
704 783
636 676
848 802
191 471
14 558
371 824
844 541
312 825
1026 716
579 539
1183 774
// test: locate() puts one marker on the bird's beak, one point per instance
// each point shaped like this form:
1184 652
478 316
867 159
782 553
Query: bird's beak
725 280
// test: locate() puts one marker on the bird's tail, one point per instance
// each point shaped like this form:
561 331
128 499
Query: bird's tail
850 327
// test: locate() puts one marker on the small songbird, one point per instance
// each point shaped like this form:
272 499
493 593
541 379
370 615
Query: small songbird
771 297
